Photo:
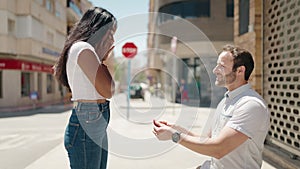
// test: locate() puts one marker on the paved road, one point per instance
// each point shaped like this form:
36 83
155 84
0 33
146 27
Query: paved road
36 141
24 139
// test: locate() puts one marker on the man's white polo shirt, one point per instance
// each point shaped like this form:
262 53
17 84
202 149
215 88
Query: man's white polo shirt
245 111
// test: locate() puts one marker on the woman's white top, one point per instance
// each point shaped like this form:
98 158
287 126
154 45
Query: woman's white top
81 86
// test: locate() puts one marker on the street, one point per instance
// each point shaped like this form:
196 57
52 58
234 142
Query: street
24 139
36 141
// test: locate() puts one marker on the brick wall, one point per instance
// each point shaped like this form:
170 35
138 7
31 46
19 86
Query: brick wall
251 40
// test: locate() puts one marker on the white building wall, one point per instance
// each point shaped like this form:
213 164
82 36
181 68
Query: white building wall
38 35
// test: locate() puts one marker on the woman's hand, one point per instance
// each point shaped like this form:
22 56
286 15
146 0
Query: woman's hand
162 131
107 54
104 47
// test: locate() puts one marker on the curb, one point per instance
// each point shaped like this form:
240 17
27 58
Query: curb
29 107
42 108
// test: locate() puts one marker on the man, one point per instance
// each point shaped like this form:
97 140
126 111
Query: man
236 136
183 90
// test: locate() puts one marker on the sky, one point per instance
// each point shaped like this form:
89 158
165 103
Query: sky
131 16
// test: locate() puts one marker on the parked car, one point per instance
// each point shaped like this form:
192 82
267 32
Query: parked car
137 90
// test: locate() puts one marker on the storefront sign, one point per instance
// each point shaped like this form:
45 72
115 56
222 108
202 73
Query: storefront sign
24 66
50 52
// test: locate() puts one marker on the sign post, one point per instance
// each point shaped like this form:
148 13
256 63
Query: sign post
129 50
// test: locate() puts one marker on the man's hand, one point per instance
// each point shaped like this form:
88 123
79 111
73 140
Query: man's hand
175 127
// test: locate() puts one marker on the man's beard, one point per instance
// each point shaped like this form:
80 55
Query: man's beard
224 80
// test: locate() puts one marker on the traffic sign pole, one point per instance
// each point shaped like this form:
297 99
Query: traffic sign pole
128 88
129 50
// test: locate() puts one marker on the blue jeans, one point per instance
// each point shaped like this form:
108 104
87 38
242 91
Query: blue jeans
86 137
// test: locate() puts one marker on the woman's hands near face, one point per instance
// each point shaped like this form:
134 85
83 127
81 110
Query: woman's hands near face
107 53
104 47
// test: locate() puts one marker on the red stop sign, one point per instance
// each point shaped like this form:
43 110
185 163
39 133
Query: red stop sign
129 50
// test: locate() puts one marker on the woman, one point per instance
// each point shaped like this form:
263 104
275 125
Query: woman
80 68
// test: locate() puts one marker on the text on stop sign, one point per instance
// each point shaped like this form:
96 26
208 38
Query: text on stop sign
129 50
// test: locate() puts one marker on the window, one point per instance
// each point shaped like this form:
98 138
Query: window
40 2
196 9
50 83
229 8
11 26
49 6
243 16
187 9
25 84
58 9
1 85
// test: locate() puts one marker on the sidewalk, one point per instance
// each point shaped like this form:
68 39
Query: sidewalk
178 157
56 106
33 106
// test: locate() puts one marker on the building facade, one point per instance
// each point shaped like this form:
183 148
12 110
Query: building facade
202 28
271 31
32 36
